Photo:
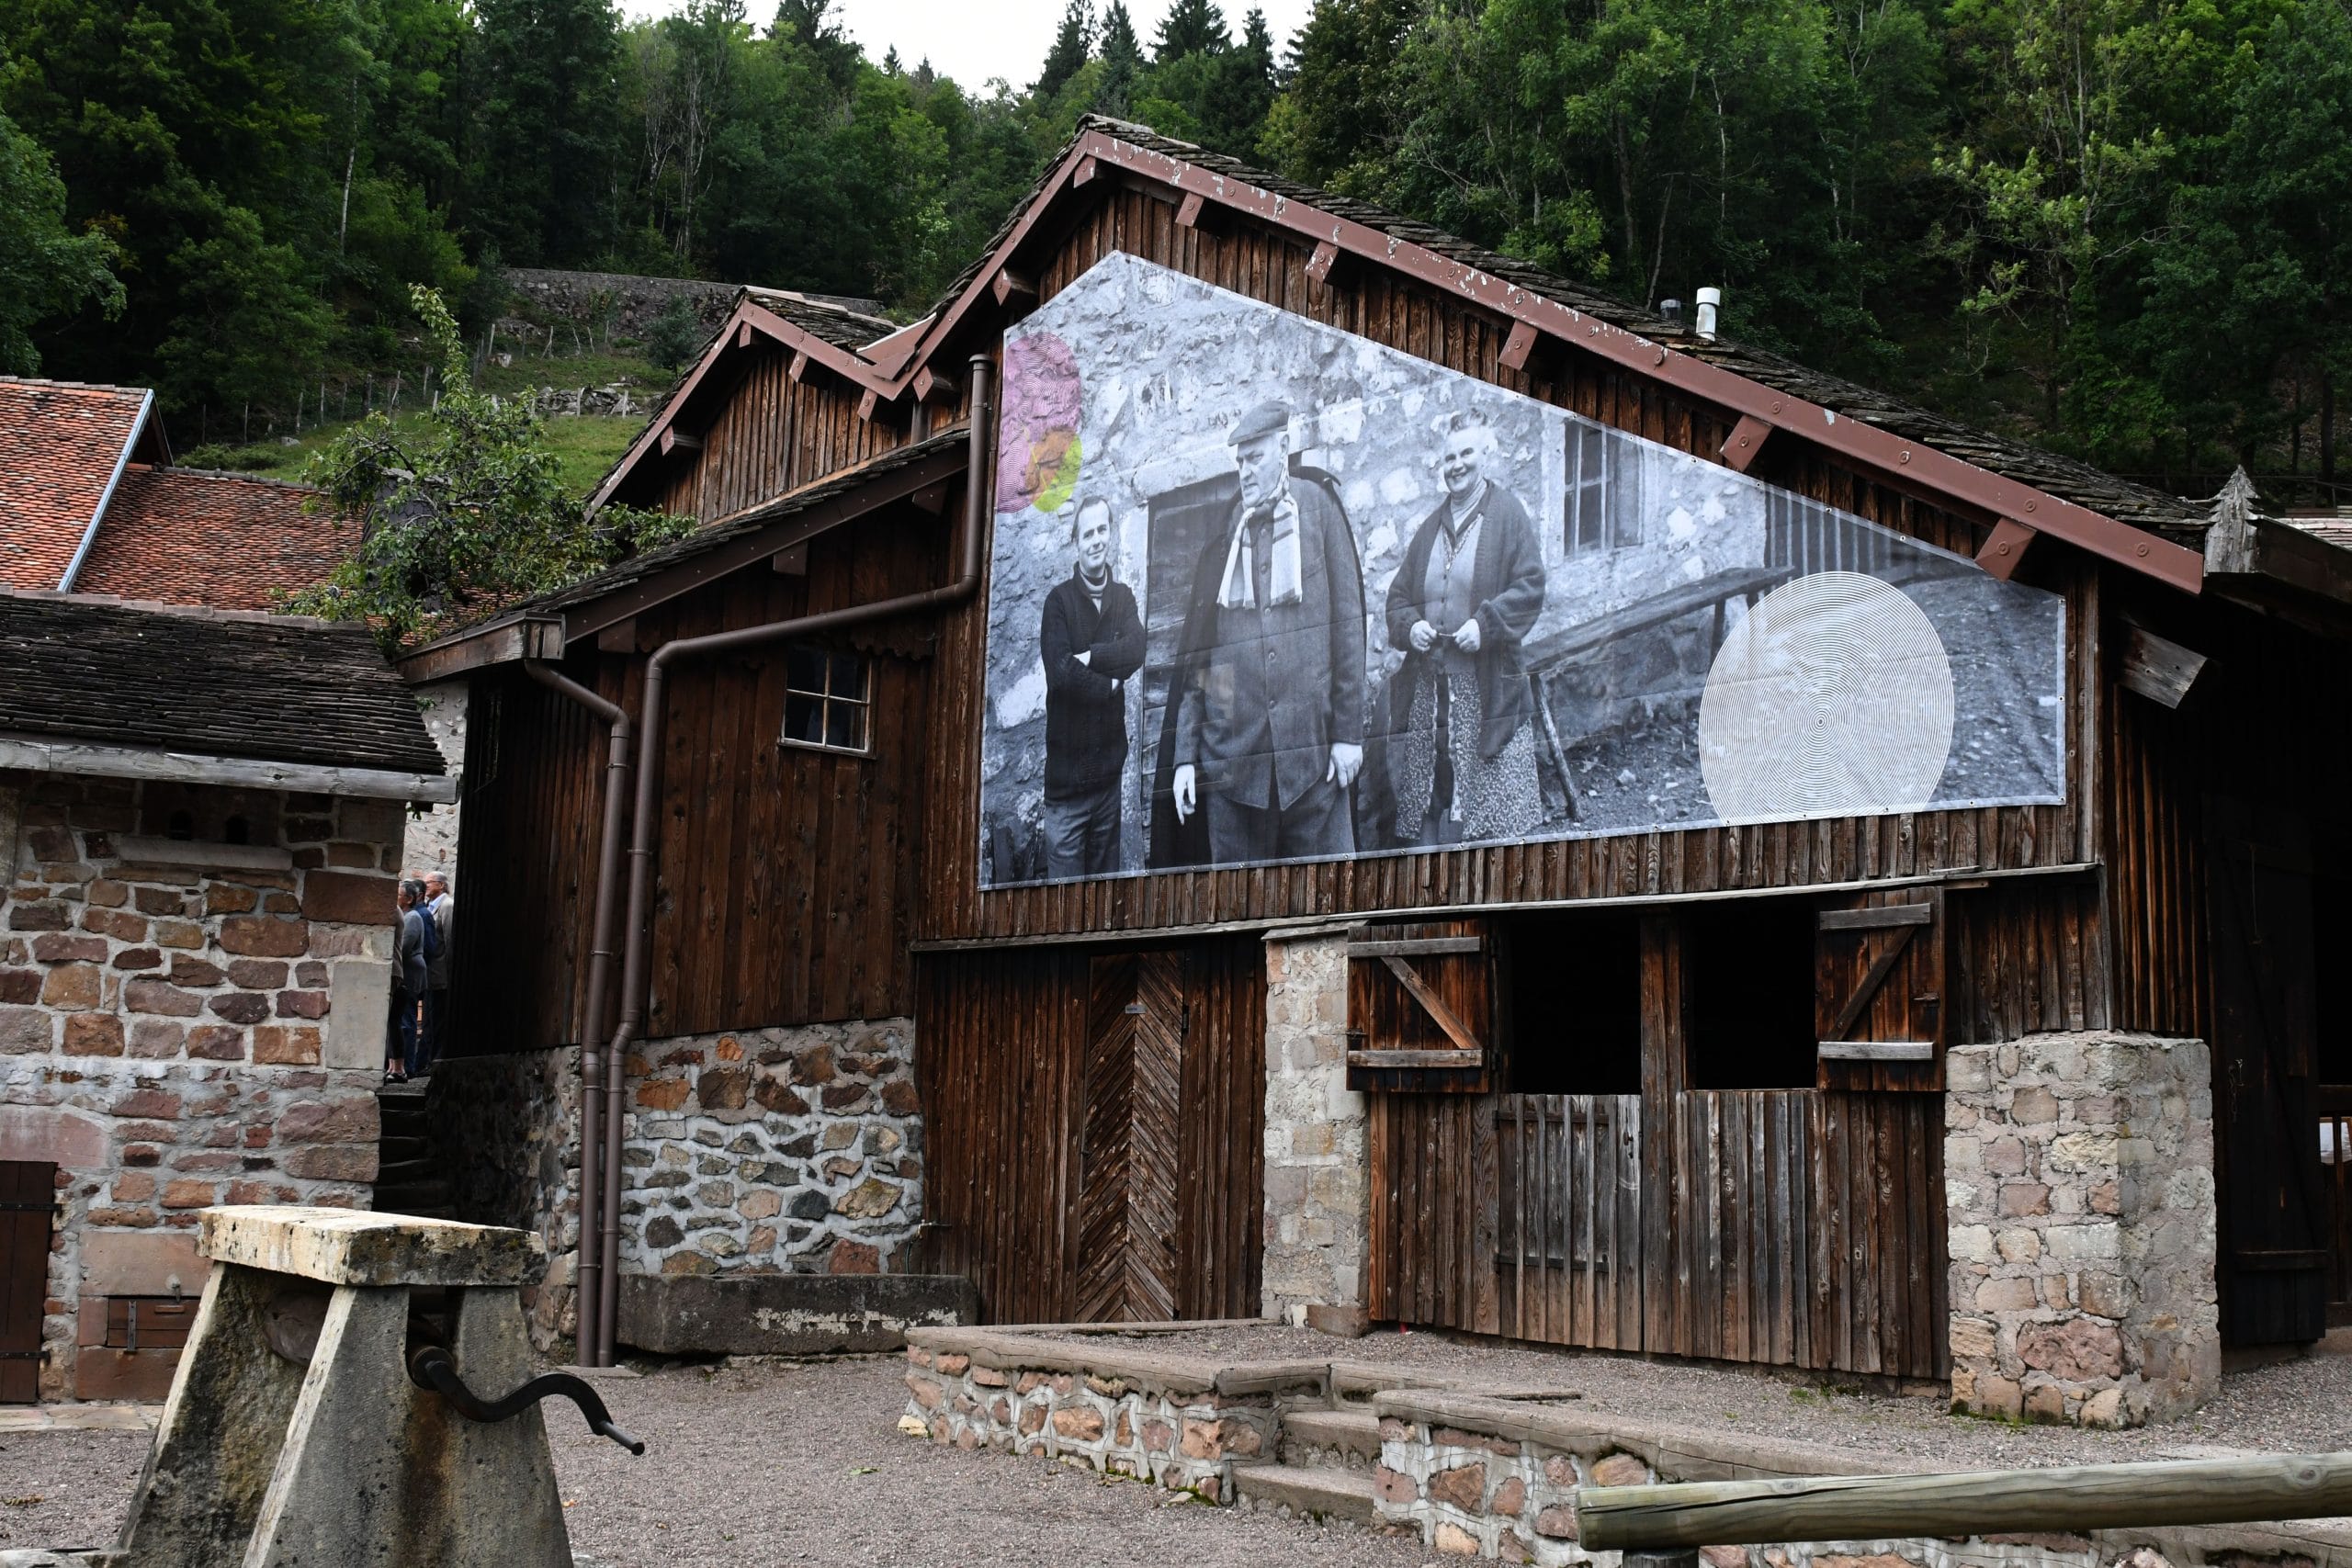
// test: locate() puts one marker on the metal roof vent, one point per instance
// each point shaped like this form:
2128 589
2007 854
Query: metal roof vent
1671 310
1710 302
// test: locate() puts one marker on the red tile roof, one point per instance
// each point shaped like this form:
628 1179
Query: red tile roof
60 444
224 541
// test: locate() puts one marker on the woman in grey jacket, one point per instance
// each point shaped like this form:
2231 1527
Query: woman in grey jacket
408 984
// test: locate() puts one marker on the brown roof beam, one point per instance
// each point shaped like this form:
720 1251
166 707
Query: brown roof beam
2004 549
1867 444
1746 442
674 440
1012 287
496 642
935 386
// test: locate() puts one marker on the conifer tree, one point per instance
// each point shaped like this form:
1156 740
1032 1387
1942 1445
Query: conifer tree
1190 26
1073 42
1122 61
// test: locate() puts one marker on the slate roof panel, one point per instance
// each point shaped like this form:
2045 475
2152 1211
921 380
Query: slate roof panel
224 541
271 688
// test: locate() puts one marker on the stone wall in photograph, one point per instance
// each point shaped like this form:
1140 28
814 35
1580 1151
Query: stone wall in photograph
773 1150
1318 1197
2079 1180
193 984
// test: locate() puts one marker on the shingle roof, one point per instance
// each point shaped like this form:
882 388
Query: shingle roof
61 442
272 688
225 541
835 322
2064 477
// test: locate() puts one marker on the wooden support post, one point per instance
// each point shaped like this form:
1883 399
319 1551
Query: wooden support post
1084 175
743 334
798 371
869 404
1520 346
675 440
2006 548
1745 440
2159 670
1188 211
1321 266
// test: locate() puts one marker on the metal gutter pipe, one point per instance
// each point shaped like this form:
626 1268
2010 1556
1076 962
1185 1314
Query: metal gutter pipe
648 799
595 1069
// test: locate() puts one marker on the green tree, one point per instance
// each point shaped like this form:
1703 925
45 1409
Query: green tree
250 330
1073 44
1190 26
1239 90
1338 119
544 78
459 508
1122 56
46 269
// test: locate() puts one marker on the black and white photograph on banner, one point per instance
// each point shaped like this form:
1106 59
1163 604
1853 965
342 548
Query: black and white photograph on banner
1264 592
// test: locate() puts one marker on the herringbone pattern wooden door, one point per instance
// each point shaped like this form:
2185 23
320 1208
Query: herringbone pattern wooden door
1129 1156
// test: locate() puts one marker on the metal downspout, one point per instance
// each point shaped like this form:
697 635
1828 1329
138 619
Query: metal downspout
643 838
105 497
588 1296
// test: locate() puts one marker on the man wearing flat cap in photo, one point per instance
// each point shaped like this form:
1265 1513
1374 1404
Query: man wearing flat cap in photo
1270 721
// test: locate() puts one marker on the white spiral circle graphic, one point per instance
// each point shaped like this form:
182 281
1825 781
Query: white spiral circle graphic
1833 698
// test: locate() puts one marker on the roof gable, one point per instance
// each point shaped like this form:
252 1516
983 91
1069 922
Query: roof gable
2023 488
63 444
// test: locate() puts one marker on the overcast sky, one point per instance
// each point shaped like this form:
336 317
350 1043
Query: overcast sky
975 39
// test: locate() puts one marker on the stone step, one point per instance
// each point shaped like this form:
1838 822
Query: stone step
1334 1438
413 1198
403 1173
392 1148
1308 1491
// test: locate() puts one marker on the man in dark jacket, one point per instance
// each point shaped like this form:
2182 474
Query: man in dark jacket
1270 720
1091 639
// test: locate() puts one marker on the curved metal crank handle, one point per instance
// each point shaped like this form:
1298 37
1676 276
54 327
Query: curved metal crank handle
432 1367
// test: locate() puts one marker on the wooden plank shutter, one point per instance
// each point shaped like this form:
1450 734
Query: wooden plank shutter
1879 1002
28 1203
1421 1010
1129 1158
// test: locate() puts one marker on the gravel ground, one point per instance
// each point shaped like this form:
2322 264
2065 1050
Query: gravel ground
2299 1406
781 1463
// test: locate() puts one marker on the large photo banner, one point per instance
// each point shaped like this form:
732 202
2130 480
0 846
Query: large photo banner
1264 591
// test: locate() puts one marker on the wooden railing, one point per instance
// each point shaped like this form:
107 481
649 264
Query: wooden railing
1672 1522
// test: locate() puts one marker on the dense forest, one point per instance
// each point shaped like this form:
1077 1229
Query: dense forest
2122 228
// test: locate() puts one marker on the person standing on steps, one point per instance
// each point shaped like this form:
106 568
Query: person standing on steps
441 910
409 979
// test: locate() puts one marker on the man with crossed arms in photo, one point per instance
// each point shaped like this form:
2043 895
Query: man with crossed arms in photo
1270 724
1091 640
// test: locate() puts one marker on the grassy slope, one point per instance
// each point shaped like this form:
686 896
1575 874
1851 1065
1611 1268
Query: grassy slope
584 446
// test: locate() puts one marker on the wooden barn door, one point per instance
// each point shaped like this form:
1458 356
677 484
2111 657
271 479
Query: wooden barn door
28 1199
1128 1160
2276 1229
1423 1015
1094 1127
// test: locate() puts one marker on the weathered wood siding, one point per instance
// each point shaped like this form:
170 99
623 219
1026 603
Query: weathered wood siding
787 877
1003 1043
773 434
1788 855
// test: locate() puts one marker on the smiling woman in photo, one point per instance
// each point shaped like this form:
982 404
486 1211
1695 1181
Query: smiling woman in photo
1469 588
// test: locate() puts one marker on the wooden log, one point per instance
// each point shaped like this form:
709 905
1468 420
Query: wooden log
2073 1499
2159 670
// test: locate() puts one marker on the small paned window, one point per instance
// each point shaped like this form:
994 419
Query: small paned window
1604 490
827 700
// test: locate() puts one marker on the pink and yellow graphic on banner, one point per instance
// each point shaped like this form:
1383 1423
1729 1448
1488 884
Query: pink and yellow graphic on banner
1037 431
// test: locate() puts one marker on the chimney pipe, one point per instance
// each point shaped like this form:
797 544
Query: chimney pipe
1710 302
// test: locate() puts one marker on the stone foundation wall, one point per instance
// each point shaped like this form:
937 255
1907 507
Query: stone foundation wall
1486 1494
504 1130
193 984
1318 1195
2078 1180
773 1150
1183 1438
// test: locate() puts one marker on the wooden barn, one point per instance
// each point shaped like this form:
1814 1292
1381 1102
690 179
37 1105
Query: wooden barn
1264 759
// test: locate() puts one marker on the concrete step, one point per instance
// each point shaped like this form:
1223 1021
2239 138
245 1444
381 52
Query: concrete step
1337 1439
1308 1491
